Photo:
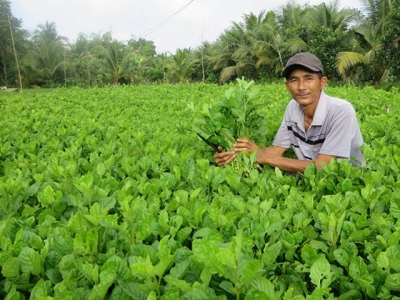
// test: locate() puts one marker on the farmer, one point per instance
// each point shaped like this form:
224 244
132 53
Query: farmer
318 127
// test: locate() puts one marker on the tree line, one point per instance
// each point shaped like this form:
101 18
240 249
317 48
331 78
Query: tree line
359 46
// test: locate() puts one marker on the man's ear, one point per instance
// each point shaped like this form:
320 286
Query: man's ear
324 82
286 85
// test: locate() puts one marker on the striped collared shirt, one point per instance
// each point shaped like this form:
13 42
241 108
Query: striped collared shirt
333 131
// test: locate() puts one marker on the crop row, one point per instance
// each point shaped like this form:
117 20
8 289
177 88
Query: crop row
109 194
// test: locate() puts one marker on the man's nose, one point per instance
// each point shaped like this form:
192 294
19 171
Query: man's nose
301 85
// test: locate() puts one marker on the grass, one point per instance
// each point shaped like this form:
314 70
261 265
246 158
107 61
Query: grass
40 91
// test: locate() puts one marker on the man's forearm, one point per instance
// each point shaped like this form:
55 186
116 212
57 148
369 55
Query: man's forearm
274 159
285 164
272 156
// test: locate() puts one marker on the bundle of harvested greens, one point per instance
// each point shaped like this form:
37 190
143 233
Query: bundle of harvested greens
237 116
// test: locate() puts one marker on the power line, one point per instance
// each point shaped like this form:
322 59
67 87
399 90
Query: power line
151 30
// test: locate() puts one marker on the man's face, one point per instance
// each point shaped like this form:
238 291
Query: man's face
305 86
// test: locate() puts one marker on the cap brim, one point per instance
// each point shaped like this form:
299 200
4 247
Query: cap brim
286 72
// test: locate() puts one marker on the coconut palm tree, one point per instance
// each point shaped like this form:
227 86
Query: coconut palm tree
269 43
234 50
367 40
47 52
293 21
318 29
143 53
331 16
182 64
80 59
291 15
115 63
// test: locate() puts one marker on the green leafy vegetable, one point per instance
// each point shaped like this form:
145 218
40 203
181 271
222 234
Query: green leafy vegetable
237 116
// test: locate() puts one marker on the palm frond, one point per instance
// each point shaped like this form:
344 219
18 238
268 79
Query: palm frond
227 73
297 44
346 60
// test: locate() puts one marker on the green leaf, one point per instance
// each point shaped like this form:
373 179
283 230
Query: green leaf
346 185
365 281
227 286
180 269
342 257
77 223
143 267
47 197
395 208
101 169
33 240
383 261
172 294
164 264
61 240
249 269
394 238
10 268
357 267
40 290
30 261
133 289
152 296
108 274
163 220
13 294
54 275
393 253
118 293
202 292
264 285
183 234
90 271
33 189
318 294
181 284
271 253
319 245
308 254
352 294
109 221
227 258
320 270
392 282
255 294
278 173
205 275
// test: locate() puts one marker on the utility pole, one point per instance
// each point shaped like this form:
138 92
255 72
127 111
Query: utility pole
15 54
201 51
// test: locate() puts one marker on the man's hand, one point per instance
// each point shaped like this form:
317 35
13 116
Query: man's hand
223 158
244 145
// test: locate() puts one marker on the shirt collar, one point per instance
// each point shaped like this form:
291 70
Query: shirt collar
320 112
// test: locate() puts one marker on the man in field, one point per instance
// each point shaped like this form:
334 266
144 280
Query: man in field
318 127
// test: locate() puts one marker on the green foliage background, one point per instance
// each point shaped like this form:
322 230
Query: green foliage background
359 46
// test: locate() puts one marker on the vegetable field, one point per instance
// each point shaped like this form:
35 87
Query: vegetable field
110 194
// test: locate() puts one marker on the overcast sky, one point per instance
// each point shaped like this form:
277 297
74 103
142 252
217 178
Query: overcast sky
170 24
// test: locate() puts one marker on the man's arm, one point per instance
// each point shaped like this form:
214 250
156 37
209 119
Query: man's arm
272 156
222 158
290 164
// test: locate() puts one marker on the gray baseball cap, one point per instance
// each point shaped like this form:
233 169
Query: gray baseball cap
305 59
